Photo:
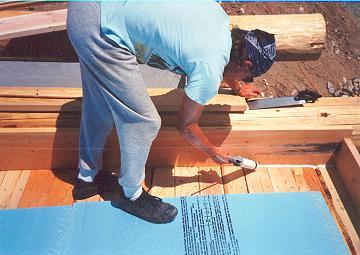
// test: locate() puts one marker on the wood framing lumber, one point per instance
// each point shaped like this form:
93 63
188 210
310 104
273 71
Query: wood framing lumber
339 199
298 36
234 180
4 43
163 182
12 13
74 93
16 4
8 186
186 181
348 164
210 180
57 148
18 190
41 92
69 100
31 24
282 180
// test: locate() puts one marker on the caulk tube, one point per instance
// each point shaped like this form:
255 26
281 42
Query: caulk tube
243 162
248 163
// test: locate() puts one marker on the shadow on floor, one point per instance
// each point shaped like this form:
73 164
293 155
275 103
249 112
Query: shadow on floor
164 151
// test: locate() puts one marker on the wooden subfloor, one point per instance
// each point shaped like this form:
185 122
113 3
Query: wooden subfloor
35 188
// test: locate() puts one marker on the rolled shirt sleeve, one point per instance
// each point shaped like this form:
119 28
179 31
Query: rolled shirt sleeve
203 82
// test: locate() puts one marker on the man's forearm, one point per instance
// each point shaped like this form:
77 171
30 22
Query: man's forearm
195 136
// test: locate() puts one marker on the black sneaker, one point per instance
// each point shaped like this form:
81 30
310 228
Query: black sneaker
104 181
83 189
149 208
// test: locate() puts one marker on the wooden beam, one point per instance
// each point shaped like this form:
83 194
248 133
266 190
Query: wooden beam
348 164
57 148
298 36
32 24
18 99
4 43
13 13
17 4
339 199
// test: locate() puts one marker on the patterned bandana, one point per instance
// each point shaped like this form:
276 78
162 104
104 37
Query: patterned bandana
261 50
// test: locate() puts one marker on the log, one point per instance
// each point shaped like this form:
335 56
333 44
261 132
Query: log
298 36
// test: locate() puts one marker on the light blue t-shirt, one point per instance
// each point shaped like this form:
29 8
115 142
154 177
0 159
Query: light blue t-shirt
186 37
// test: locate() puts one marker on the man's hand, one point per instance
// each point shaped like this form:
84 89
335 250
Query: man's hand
249 91
246 90
219 155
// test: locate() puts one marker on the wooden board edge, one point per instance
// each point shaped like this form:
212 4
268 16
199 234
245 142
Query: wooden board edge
347 162
339 208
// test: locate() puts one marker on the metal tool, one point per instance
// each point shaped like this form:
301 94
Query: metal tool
243 162
304 96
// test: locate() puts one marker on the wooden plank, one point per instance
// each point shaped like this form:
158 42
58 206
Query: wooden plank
265 180
41 92
17 4
253 180
31 24
234 180
282 179
210 180
2 175
7 187
50 148
348 164
40 120
12 13
38 185
186 181
72 119
322 104
331 101
312 180
60 193
258 180
299 179
18 190
69 100
163 182
340 199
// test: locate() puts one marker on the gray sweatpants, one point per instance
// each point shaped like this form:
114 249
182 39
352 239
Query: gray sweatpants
113 92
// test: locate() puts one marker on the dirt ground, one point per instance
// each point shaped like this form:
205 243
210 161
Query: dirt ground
339 61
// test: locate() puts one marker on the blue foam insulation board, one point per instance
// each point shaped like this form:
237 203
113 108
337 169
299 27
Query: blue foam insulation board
262 223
